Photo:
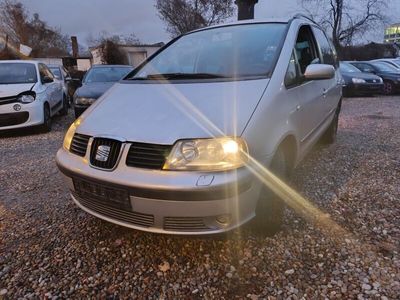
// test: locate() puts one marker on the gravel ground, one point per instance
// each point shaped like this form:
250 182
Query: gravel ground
51 249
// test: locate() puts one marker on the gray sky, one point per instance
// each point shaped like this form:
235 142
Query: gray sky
84 17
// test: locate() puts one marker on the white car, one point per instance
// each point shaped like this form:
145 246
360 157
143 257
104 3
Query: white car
29 95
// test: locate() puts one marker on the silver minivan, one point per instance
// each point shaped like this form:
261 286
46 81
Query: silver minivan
182 144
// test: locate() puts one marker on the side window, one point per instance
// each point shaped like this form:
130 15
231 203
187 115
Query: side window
292 72
48 72
42 72
304 53
306 50
325 48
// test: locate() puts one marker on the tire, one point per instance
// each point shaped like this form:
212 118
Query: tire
270 208
64 109
46 126
388 88
329 137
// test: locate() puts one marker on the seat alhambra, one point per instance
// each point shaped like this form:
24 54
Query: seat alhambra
177 145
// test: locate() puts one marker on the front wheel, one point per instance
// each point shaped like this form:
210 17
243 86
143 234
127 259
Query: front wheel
270 208
46 126
388 88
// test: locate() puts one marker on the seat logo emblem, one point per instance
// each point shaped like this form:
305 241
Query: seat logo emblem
103 152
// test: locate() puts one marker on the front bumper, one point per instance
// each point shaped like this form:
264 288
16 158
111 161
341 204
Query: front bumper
33 110
163 201
363 88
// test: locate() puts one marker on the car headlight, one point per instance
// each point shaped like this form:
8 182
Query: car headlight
84 100
70 134
26 98
357 80
218 154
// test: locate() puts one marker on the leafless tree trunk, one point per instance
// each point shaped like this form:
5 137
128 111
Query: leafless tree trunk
182 16
346 20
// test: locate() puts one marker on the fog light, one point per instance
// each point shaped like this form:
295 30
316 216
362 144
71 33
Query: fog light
223 219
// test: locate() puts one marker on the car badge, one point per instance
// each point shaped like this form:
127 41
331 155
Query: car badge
17 107
102 153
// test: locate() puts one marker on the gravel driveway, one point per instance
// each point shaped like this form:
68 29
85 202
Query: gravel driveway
51 249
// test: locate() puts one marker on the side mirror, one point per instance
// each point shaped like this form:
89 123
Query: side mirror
319 72
68 79
47 79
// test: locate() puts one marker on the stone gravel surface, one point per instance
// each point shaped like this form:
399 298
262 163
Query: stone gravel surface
51 249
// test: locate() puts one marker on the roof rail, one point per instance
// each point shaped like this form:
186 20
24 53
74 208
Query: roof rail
303 16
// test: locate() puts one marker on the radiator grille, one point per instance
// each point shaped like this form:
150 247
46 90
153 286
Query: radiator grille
13 118
185 223
148 156
130 217
79 144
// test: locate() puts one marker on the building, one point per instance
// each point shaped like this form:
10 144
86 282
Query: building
392 34
134 54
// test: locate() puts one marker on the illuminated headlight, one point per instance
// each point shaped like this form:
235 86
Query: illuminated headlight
217 154
84 100
357 80
70 134
27 98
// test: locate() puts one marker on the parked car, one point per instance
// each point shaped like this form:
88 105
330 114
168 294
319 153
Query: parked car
176 146
391 61
359 83
390 75
65 78
96 82
29 95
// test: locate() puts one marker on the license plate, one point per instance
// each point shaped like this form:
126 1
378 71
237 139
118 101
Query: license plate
110 196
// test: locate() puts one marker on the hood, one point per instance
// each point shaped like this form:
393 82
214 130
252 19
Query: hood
165 113
93 89
9 90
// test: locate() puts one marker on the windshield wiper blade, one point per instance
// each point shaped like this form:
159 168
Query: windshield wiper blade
171 76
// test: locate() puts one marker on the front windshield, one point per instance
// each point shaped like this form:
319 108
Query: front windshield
230 51
348 68
13 73
56 72
106 74
385 67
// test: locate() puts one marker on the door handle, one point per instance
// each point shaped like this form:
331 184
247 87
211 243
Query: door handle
298 107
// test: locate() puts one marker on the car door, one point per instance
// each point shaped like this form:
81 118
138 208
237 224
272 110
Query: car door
307 94
56 89
332 87
49 87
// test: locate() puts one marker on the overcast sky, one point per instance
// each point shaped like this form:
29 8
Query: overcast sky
85 17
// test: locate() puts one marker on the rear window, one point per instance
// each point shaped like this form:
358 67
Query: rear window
13 73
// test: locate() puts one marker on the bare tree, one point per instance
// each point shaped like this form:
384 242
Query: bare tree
182 16
346 20
16 22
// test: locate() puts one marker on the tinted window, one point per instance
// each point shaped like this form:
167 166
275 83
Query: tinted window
306 51
348 68
292 73
106 74
384 67
231 51
17 73
325 47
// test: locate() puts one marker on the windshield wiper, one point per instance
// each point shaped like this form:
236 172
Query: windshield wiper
172 76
